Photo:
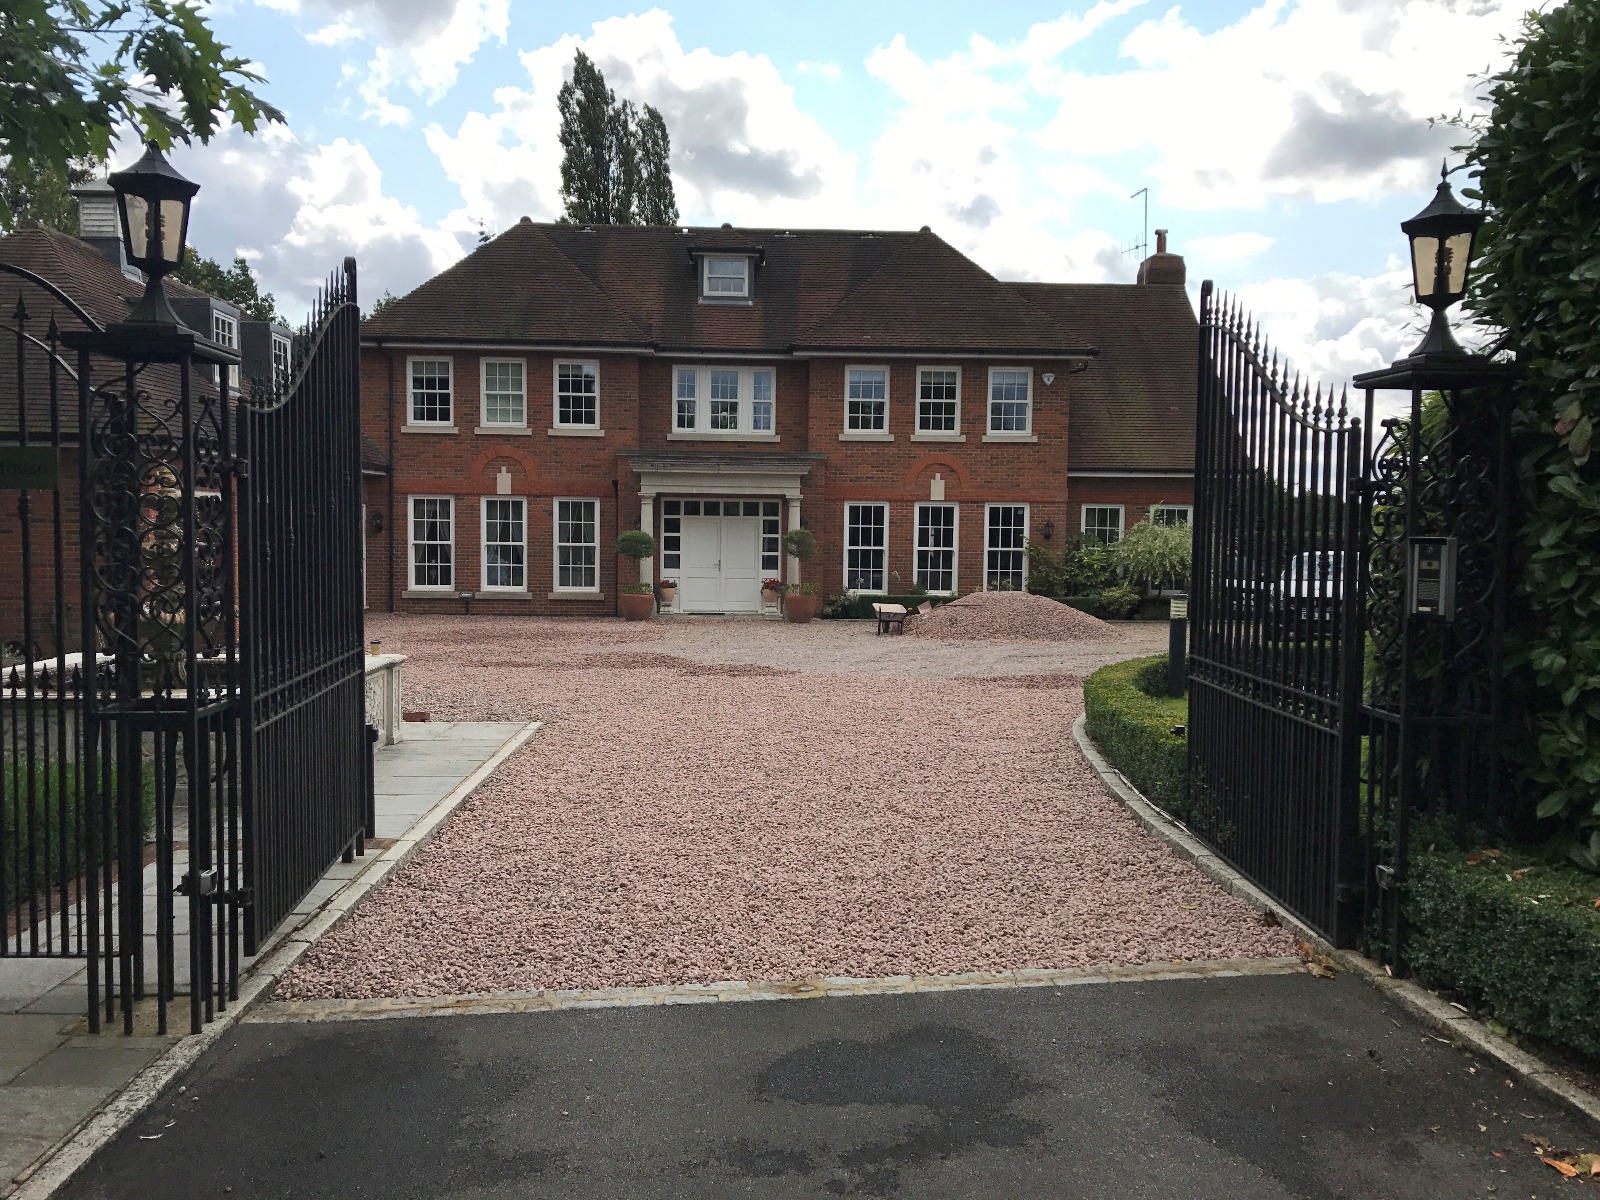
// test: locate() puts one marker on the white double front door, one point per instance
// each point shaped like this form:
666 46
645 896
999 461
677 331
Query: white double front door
721 569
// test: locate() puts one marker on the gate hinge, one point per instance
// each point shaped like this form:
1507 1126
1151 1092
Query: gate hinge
241 468
1385 875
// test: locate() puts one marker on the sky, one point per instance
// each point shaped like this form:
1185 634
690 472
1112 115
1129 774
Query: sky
1280 142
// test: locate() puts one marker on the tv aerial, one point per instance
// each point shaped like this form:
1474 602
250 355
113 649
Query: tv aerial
1142 246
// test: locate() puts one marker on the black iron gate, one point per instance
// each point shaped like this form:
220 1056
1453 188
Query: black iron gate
182 745
305 755
1275 658
1348 621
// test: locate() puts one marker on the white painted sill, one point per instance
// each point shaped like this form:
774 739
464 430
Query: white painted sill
431 594
503 431
938 437
574 431
429 429
864 436
1021 439
723 437
576 596
503 594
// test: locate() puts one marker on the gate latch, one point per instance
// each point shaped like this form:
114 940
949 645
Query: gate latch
1385 876
198 883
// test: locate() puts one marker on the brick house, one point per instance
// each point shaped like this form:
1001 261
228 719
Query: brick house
565 383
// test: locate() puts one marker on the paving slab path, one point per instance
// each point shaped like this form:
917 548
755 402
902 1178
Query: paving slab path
1263 1087
752 800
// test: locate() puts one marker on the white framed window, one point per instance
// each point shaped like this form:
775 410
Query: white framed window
866 542
433 542
1005 536
505 544
725 278
577 395
1171 514
577 545
866 399
935 565
225 332
939 400
281 349
761 387
725 401
431 380
771 538
1010 400
503 392
1102 523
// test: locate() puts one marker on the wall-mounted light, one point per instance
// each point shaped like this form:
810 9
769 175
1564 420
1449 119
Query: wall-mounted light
375 521
1049 378
1049 529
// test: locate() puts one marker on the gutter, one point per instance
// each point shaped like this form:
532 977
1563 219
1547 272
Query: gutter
394 467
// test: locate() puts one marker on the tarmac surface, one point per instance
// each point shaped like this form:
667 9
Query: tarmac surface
1252 1088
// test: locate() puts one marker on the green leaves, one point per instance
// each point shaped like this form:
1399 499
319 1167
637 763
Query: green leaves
1538 159
614 157
72 71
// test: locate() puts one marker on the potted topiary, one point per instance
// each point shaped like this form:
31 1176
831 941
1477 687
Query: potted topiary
800 599
637 600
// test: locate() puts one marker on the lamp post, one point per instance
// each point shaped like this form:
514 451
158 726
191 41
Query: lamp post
1442 238
153 204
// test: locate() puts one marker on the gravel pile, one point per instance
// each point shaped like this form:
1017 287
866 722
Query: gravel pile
1008 617
666 827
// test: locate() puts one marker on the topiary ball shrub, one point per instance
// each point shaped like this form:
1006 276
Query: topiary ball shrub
636 544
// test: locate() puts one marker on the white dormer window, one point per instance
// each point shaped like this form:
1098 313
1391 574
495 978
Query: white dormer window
225 332
280 360
724 278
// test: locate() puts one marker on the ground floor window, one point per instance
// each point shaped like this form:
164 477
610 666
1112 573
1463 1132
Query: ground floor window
771 537
1005 536
577 545
865 546
432 542
1171 514
936 547
1102 523
505 543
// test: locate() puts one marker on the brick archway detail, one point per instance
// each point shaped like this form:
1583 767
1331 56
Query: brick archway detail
479 471
943 463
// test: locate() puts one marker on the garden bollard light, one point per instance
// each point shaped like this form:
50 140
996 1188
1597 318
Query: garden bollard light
1177 634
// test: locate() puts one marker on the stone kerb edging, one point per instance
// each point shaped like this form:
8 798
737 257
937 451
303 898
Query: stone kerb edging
1456 1024
282 953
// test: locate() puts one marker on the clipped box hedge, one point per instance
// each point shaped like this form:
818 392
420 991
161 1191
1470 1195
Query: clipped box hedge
1519 936
1133 728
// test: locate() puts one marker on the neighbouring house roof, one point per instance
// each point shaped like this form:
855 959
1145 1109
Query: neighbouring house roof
373 460
814 290
98 287
1134 407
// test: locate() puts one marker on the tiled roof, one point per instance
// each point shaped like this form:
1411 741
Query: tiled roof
97 285
636 285
1134 407
372 456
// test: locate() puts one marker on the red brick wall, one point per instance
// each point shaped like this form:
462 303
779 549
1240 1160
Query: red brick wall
1135 494
38 583
636 410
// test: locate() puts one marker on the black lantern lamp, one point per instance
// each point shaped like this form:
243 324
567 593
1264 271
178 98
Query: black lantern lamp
153 201
1442 237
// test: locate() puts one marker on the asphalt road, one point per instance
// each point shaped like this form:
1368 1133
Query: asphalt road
1236 1089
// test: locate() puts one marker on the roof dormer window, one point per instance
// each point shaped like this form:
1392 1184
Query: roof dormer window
724 277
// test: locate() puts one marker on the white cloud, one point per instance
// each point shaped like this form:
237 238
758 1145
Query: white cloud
1229 249
295 210
334 35
831 71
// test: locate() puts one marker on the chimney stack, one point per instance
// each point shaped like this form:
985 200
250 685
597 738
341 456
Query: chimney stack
1162 267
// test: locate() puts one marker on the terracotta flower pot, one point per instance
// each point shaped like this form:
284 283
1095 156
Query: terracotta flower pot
636 606
668 595
800 609
768 596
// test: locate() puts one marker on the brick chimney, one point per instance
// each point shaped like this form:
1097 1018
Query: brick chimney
1162 267
98 222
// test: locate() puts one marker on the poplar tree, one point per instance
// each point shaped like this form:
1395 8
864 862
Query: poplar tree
614 163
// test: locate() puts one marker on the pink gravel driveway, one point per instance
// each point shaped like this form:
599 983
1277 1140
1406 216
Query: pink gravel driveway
721 800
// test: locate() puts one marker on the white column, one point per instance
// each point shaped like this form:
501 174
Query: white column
647 522
794 523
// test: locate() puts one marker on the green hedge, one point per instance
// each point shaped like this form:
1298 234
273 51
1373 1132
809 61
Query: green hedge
1134 728
47 807
1517 935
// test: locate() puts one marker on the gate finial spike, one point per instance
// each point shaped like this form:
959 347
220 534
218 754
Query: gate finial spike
1344 410
53 332
20 313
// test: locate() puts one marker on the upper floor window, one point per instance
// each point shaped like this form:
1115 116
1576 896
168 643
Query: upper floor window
430 391
939 400
280 360
725 278
725 401
866 407
505 392
578 394
1010 400
225 332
